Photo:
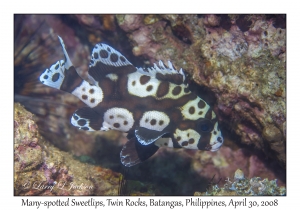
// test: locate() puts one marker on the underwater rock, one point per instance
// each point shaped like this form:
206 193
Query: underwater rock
264 36
42 169
226 161
96 28
243 186
139 32
27 152
243 66
130 22
97 22
211 20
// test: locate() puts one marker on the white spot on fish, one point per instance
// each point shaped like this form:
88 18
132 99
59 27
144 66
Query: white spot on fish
117 119
155 120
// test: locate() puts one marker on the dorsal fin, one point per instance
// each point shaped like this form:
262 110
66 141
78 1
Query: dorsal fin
163 73
105 60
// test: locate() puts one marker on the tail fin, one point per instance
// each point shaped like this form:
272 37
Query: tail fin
63 76
55 75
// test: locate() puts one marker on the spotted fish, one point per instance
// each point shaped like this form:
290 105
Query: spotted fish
154 106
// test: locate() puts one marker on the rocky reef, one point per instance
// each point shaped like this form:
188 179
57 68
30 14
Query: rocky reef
241 59
42 169
240 185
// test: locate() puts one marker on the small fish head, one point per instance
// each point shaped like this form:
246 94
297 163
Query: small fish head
204 134
211 137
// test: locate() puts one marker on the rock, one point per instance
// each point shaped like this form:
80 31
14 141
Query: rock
255 186
42 169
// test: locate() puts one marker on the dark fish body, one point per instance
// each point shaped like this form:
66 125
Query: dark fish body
154 106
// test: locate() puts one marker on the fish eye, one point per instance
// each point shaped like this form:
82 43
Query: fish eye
205 126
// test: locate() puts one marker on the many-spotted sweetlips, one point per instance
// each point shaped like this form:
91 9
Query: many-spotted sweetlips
154 106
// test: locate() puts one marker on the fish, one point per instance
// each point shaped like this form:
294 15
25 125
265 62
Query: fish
154 105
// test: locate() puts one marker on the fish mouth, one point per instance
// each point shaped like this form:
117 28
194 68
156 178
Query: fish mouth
215 149
216 146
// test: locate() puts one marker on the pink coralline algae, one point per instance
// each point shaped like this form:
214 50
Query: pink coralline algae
41 169
264 36
240 58
230 44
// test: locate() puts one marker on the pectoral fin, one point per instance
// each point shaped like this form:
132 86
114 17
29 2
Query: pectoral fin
146 136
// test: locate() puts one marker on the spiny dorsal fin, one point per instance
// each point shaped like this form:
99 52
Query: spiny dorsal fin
162 72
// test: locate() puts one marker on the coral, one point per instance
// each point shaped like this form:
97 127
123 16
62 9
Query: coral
41 169
240 58
245 187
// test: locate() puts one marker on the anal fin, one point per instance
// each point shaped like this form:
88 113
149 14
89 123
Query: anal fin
134 152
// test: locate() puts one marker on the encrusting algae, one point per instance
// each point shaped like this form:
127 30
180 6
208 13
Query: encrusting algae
243 186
